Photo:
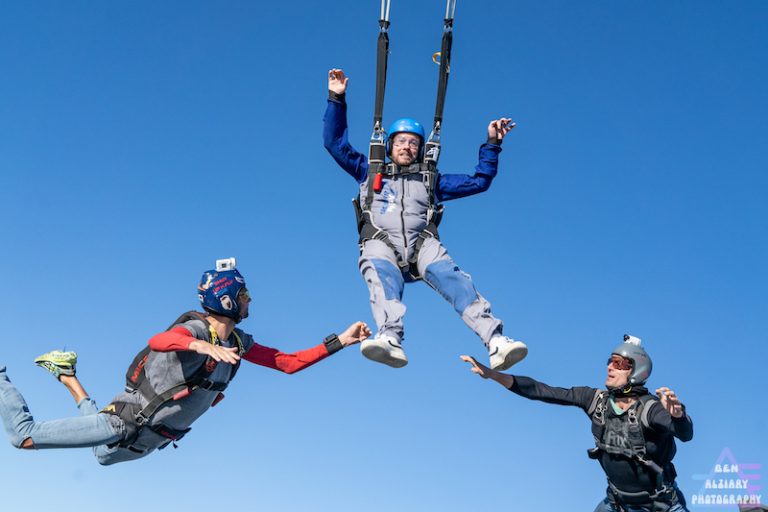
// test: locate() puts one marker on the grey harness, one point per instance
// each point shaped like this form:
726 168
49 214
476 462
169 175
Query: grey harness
367 228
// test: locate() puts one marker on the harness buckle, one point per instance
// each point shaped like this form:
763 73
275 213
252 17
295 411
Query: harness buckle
206 384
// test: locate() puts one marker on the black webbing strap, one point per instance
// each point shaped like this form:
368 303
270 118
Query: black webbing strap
377 150
432 146
382 52
198 380
445 60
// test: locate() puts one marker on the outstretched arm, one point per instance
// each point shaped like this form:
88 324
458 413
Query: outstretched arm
335 133
297 361
534 390
454 186
480 369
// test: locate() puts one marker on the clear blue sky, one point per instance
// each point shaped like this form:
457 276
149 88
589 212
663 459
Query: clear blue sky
140 141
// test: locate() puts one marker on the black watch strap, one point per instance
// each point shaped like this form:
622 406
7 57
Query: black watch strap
332 343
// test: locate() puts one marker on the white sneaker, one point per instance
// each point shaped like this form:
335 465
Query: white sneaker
505 352
384 349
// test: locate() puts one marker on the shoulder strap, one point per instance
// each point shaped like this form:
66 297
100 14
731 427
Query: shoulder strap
240 352
597 400
186 317
645 409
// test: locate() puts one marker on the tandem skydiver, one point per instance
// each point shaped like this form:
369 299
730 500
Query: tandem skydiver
171 383
634 431
398 212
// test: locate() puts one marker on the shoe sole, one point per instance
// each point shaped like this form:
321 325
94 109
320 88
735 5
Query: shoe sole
381 355
514 356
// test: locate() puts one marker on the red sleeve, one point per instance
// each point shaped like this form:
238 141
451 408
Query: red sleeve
177 338
288 363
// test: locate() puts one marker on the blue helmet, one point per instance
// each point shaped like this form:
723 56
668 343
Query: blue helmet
218 292
406 125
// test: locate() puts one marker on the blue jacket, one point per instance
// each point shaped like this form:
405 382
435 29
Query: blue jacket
449 186
401 208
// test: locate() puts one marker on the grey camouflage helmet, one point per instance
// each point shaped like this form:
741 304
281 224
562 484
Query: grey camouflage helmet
641 362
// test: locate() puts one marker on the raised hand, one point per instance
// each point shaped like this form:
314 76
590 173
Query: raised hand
498 128
337 81
670 402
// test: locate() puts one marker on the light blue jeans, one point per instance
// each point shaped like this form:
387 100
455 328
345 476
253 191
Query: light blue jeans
89 429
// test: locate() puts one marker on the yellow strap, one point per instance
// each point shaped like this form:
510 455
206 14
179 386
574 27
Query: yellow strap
215 339
240 347
214 335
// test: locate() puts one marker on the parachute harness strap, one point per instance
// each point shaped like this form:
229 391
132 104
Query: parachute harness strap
443 58
377 150
214 335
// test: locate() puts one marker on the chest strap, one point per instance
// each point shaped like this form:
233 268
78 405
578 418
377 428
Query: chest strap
367 228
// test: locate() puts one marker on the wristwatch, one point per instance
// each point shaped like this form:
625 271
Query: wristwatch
332 343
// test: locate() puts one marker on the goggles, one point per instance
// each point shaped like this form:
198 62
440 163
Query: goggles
412 142
620 363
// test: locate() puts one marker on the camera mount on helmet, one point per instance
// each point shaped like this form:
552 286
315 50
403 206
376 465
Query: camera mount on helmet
641 362
219 289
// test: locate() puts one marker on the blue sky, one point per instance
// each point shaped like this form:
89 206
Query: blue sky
141 141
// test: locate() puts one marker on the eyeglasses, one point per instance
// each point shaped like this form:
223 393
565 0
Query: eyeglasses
620 363
244 295
411 142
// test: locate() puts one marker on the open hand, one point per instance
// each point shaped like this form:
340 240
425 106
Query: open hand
670 402
337 81
477 368
355 333
216 352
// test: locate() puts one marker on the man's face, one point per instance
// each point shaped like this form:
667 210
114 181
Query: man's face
619 369
243 300
405 148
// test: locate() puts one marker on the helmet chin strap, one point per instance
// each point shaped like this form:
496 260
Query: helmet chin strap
628 390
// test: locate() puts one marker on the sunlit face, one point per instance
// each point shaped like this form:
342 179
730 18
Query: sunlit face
243 300
619 369
405 148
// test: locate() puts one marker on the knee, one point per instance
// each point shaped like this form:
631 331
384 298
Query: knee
390 278
452 283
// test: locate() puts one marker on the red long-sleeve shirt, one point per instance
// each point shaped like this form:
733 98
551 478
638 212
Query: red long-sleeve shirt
179 338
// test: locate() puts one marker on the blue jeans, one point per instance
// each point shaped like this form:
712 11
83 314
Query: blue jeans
89 429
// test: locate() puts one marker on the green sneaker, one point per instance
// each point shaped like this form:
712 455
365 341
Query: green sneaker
58 363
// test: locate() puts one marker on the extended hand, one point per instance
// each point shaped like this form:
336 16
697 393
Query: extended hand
477 368
216 352
337 81
355 333
670 402
498 128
